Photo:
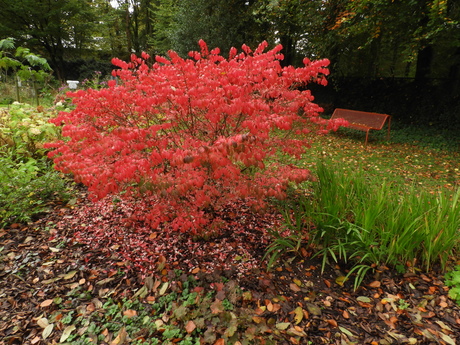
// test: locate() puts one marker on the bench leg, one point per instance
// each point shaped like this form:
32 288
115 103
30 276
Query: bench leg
389 127
367 137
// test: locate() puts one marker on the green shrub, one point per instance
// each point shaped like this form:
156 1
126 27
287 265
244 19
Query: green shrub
27 178
25 188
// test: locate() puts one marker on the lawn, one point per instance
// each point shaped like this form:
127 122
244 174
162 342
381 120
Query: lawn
55 288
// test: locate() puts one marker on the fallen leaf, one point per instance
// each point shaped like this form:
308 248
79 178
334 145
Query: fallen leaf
47 331
260 310
219 341
298 315
444 326
447 339
363 299
190 326
296 332
43 322
282 326
313 309
163 289
269 305
341 280
130 313
70 275
375 284
258 319
294 287
346 331
121 337
297 282
46 303
104 281
332 322
67 331
217 307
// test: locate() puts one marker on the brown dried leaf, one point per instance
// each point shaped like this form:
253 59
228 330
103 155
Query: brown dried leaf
375 284
332 323
258 319
190 326
46 303
294 287
130 313
217 307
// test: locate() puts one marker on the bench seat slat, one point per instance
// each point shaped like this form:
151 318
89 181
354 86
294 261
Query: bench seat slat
362 120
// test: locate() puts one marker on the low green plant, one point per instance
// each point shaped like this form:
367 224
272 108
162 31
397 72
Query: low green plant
176 313
353 217
27 178
25 188
452 279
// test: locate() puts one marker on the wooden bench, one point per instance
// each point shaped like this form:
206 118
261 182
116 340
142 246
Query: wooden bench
363 121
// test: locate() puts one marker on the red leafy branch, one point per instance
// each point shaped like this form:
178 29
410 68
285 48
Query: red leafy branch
189 135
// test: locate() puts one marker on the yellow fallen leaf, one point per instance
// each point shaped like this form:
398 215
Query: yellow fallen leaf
282 325
47 331
341 280
297 282
298 315
67 331
121 337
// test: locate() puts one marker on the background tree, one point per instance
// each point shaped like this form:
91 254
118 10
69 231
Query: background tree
398 38
49 27
23 64
222 24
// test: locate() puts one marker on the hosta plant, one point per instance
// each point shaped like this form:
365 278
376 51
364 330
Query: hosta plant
189 135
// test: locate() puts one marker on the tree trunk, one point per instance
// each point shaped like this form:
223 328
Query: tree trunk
424 59
288 50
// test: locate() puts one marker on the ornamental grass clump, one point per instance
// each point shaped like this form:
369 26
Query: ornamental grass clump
351 216
398 224
189 135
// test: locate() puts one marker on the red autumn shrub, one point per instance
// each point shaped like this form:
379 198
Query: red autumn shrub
189 135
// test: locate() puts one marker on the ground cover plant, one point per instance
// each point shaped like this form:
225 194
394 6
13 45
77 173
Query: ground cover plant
27 178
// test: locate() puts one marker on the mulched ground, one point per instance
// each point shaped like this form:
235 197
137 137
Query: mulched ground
40 262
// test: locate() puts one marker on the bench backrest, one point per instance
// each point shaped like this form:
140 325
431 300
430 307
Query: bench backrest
371 120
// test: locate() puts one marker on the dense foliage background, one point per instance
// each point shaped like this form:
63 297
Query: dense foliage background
407 51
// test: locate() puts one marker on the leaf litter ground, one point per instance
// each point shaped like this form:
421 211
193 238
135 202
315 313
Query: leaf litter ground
47 276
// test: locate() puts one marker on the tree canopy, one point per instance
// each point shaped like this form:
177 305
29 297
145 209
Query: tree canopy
413 38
